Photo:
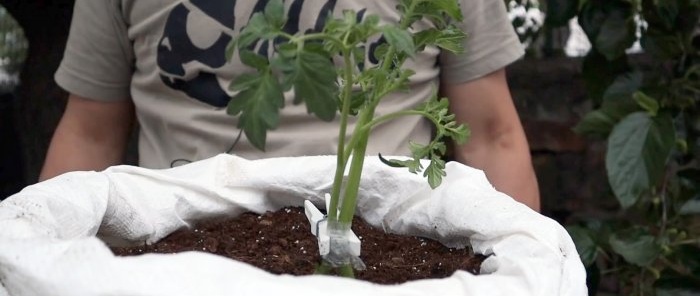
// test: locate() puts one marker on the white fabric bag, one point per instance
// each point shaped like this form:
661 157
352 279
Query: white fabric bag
49 232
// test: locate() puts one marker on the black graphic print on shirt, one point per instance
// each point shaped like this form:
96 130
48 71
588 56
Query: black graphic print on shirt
176 48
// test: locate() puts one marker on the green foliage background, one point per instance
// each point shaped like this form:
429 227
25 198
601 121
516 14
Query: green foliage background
646 108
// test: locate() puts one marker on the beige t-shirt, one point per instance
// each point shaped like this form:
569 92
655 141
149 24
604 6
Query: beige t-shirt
168 57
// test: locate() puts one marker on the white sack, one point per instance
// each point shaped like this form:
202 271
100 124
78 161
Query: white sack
49 244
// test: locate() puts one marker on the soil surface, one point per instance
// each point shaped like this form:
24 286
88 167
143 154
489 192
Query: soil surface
281 242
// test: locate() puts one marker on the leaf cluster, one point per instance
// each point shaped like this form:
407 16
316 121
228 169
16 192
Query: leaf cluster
304 64
649 113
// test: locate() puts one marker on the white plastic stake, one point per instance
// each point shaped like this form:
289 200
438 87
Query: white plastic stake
319 228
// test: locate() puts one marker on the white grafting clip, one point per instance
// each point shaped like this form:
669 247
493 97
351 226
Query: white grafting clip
319 228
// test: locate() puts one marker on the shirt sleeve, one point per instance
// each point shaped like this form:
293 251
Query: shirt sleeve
491 42
98 59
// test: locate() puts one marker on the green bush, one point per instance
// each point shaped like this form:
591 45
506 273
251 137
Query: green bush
646 107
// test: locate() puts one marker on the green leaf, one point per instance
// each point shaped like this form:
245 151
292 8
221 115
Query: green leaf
672 283
256 29
439 12
450 39
616 35
635 247
230 50
585 245
638 149
559 12
691 207
274 13
400 39
647 103
258 104
610 27
315 81
252 59
618 102
596 123
435 171
618 99
412 164
449 7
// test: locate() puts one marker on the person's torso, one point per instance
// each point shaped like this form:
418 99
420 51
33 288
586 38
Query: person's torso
181 79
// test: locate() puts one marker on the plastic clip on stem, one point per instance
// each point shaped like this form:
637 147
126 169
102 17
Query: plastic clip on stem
346 245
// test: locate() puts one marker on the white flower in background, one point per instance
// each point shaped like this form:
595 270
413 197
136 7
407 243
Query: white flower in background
13 51
527 19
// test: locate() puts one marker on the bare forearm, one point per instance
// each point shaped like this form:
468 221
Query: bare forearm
507 165
72 152
91 135
497 144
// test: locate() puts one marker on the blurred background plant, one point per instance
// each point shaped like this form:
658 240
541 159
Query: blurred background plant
13 51
645 102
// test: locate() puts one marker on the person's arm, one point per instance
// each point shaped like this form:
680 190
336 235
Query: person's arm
91 135
497 144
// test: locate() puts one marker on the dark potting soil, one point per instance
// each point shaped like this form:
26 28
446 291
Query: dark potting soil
281 243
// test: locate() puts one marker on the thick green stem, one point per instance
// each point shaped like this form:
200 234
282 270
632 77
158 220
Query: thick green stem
341 159
347 209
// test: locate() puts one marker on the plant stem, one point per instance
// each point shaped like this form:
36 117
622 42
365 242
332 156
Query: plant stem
686 242
347 210
346 271
664 204
341 158
387 117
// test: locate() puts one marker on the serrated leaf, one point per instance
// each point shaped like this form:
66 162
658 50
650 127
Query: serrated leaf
412 164
638 149
274 14
245 81
636 248
585 245
449 39
256 29
315 81
400 39
435 171
252 59
449 7
258 105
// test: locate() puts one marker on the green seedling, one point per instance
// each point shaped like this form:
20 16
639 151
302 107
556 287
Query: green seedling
304 63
